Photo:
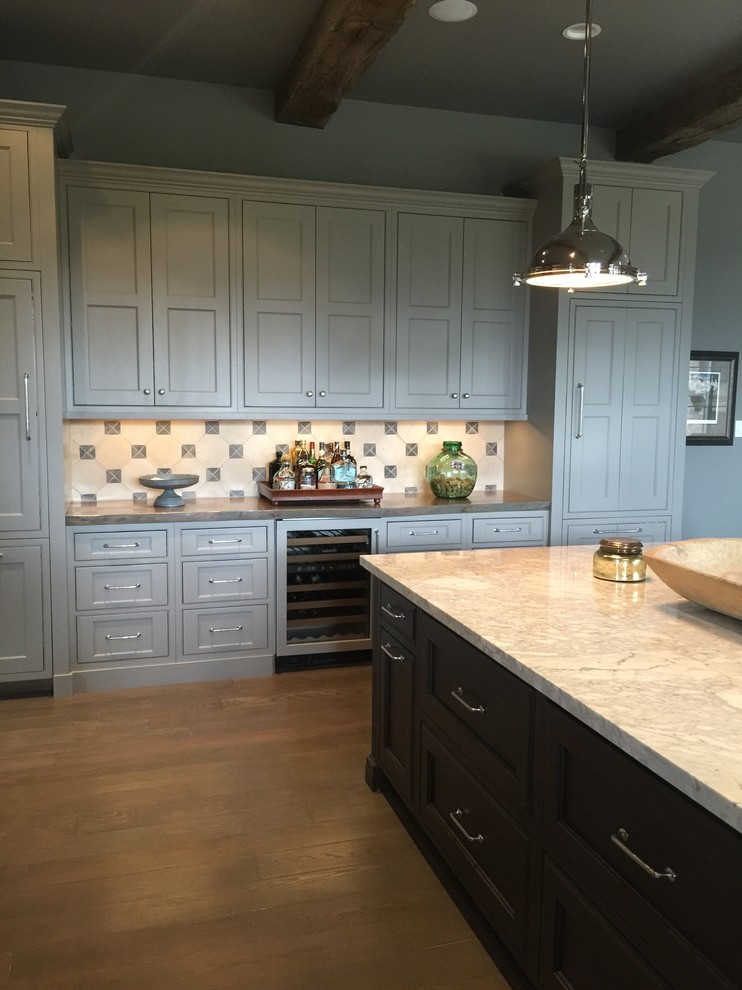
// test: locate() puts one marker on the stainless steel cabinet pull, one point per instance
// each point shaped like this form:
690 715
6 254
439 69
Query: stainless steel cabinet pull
121 587
458 694
26 405
376 541
147 391
392 656
323 394
134 636
466 395
390 611
637 529
581 407
600 532
454 395
511 529
310 394
225 580
621 838
423 532
160 391
225 629
215 542
455 818
120 546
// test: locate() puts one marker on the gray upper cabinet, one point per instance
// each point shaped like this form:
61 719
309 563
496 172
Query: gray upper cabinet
460 323
15 205
314 290
149 299
20 425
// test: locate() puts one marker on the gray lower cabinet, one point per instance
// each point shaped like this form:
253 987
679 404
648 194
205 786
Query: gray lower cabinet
424 533
25 628
465 531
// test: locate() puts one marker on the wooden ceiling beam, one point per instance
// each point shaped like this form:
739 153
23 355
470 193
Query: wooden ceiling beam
692 118
341 43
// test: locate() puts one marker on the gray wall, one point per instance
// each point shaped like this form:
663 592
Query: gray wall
197 126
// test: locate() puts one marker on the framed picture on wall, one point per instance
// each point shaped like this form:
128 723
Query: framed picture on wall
712 389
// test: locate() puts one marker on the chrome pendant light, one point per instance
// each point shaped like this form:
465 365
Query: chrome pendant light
581 257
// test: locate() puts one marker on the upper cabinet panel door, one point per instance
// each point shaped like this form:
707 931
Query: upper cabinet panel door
655 240
111 297
20 442
596 405
15 202
611 214
492 324
350 308
278 242
429 273
191 300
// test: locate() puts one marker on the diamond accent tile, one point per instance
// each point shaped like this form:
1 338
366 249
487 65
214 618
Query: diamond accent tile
390 470
188 450
88 498
490 488
211 426
390 429
162 426
236 450
304 428
138 451
87 452
188 493
472 427
369 450
113 477
258 426
213 474
349 428
236 492
139 496
259 474
490 449
112 427
410 450
410 489
431 428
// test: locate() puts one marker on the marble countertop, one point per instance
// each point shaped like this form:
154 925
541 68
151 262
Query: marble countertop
656 675
120 512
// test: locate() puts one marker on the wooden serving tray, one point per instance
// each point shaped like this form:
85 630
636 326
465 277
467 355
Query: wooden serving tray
287 496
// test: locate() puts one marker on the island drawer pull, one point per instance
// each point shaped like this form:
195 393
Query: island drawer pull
215 629
458 694
455 816
423 532
385 649
215 542
389 610
120 546
621 838
121 587
133 636
512 529
225 580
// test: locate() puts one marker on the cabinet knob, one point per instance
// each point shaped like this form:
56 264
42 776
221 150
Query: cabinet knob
310 393
454 395
160 391
466 395
148 391
323 394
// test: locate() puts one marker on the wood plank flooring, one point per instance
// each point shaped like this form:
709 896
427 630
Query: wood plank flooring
214 837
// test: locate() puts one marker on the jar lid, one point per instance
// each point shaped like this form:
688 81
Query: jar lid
617 545
452 445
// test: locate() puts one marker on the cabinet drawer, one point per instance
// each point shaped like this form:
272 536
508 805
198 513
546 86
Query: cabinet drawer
484 845
120 587
603 809
484 709
646 530
206 542
123 637
111 546
224 580
395 664
224 630
508 531
397 613
440 534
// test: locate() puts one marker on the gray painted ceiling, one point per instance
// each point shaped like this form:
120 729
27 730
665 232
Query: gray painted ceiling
509 60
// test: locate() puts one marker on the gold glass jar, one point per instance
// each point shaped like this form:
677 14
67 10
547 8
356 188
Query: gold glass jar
619 560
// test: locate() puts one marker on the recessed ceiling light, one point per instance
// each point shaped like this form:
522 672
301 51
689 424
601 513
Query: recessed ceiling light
452 10
576 32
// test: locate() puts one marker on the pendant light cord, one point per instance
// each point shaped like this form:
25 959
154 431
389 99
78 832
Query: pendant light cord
583 204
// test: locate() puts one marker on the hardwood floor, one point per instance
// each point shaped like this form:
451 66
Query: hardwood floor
214 837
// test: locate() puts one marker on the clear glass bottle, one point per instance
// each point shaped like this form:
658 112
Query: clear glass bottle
322 467
344 468
619 560
307 476
452 473
364 479
284 479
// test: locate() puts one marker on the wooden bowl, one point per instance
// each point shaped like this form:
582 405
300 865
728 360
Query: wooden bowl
705 571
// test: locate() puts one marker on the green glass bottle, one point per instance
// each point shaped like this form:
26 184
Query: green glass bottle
452 473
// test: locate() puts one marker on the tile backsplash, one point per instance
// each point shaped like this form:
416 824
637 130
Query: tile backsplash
104 459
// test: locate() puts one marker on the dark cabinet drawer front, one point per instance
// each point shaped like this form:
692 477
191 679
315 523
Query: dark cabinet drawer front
481 706
397 614
601 806
395 663
485 846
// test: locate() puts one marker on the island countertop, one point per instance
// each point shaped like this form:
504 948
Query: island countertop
657 676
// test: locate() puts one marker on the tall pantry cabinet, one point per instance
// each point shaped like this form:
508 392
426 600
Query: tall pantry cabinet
608 370
32 582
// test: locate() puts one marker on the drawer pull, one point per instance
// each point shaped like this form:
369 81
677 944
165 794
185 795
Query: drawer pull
133 636
121 587
120 546
621 838
423 532
214 629
225 580
215 542
636 529
511 529
389 610
455 818
392 656
458 694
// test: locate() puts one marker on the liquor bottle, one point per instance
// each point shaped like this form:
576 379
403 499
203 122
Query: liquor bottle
344 468
312 453
307 476
364 479
322 467
296 453
274 465
285 479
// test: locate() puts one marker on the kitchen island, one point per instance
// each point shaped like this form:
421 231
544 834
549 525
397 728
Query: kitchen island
596 731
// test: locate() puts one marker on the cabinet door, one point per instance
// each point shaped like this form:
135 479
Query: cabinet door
279 304
23 623
110 297
430 252
350 308
596 409
655 240
395 670
190 300
20 479
647 422
492 322
15 204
